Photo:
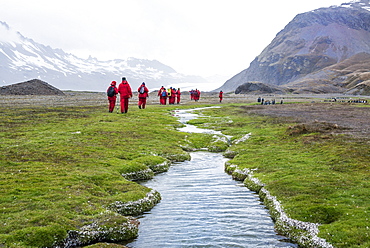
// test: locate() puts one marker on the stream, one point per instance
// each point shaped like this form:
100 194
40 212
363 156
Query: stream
202 206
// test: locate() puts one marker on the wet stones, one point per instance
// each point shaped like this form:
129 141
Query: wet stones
159 168
137 207
148 172
109 227
235 172
230 153
177 157
139 175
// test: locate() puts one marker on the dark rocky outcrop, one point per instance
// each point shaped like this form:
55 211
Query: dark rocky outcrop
258 88
311 42
32 87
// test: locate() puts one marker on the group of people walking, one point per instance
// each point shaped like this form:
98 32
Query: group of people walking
125 92
172 94
194 95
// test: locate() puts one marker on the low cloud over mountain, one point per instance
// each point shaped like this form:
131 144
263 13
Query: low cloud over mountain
22 59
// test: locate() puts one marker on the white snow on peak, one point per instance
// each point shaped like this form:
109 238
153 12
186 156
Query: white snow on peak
359 3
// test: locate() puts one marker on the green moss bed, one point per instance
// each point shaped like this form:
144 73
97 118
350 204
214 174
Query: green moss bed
68 174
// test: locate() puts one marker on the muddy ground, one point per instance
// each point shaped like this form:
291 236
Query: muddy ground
342 116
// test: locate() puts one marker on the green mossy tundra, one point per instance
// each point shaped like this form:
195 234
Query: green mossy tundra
66 171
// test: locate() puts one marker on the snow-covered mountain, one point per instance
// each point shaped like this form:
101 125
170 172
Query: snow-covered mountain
22 59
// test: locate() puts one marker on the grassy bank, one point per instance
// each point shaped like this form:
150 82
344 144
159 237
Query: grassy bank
61 167
318 177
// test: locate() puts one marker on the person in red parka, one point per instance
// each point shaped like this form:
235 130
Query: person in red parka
172 96
112 96
196 95
143 94
178 96
124 90
162 93
220 95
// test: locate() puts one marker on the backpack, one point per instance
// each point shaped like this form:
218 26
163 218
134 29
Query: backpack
142 90
164 93
111 92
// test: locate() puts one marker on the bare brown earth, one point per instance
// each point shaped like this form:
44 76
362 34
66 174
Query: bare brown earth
338 118
312 111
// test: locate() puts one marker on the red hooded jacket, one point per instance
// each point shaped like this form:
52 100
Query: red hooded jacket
124 89
113 98
146 91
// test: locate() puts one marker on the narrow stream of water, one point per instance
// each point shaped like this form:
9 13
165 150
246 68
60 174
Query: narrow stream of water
202 206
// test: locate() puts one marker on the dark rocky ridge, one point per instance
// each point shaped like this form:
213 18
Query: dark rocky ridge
32 87
311 42
258 88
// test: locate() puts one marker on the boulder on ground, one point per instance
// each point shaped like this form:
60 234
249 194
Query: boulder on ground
258 88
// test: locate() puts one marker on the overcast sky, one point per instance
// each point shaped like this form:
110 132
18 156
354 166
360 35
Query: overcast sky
197 37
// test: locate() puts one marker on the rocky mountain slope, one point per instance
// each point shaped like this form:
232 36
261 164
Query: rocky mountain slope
31 87
308 54
22 59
